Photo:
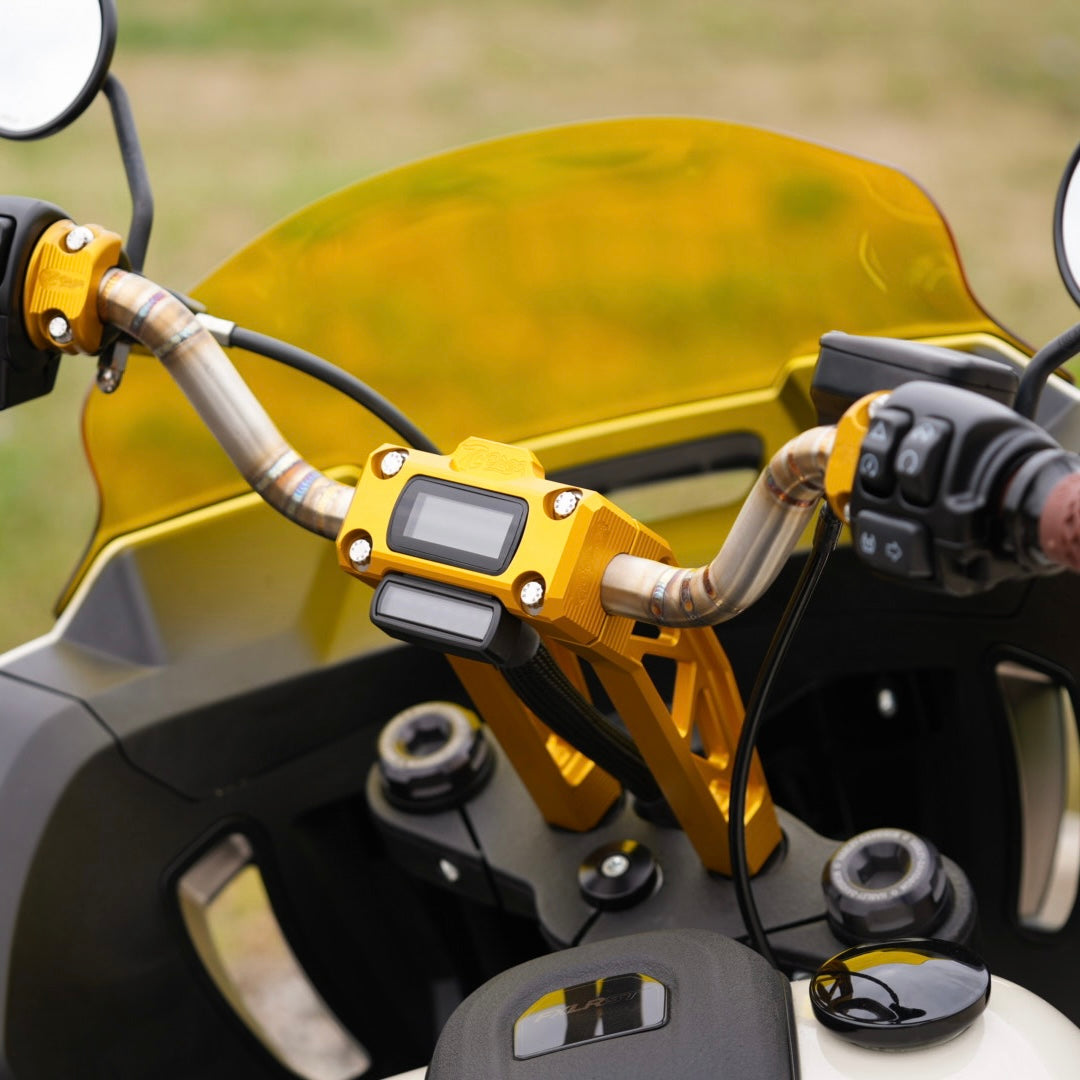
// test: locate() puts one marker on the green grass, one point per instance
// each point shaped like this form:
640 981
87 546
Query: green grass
253 25
250 108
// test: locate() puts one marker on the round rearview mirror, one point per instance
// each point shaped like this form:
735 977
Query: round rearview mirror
54 56
1067 226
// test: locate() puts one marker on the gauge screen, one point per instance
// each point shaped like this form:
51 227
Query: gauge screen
458 525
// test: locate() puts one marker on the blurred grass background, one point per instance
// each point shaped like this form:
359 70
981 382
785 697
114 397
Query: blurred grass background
250 108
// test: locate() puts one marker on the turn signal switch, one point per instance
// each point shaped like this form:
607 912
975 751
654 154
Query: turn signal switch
956 492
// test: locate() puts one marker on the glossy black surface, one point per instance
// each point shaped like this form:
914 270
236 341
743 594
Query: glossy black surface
590 1011
902 995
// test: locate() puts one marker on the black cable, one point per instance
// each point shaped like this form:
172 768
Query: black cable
825 537
543 686
1041 366
324 371
138 179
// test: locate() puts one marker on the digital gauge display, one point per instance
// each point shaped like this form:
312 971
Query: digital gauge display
457 525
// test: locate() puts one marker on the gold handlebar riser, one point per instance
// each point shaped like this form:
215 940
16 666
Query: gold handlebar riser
569 553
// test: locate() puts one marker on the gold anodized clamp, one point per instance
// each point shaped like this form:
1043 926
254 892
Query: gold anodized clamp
570 537
60 298
843 465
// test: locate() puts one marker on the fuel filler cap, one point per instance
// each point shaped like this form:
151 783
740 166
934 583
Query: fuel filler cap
902 995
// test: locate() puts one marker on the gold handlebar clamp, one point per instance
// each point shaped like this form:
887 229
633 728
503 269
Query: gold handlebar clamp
552 581
60 299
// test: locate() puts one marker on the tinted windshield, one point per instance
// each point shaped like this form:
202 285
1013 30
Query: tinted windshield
520 287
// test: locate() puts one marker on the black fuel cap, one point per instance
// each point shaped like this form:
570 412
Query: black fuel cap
901 995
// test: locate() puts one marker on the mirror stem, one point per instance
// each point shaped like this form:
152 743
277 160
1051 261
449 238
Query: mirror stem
113 360
142 198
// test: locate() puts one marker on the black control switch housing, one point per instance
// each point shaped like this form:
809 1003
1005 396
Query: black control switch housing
26 372
850 367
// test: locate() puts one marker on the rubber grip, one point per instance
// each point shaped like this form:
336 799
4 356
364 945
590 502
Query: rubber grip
1059 523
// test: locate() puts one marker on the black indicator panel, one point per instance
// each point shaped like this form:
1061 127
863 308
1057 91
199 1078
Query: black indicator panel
588 1012
427 610
452 620
457 525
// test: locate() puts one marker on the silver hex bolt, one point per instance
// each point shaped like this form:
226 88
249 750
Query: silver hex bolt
392 463
566 502
360 553
532 594
614 866
108 381
78 238
60 330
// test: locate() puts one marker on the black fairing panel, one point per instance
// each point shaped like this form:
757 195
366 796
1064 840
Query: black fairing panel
729 1015
944 766
100 980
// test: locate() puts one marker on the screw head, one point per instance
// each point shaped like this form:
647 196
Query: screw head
614 866
566 502
60 330
107 380
887 705
78 238
532 594
392 463
360 552
449 871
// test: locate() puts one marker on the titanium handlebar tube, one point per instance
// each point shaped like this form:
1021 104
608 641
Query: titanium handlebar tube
156 319
774 516
769 525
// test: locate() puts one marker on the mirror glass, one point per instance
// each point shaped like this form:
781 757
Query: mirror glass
54 55
1067 227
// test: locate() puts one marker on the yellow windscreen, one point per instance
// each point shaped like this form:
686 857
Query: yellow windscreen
520 287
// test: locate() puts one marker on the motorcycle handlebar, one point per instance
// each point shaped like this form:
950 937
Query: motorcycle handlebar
774 516
772 519
234 416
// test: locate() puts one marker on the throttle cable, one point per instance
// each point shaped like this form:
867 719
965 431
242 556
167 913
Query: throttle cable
825 536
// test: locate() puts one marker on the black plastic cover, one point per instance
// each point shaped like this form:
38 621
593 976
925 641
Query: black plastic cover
452 620
729 1015
850 367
